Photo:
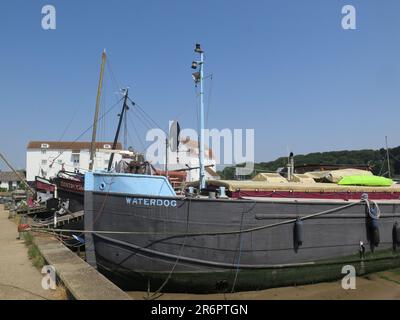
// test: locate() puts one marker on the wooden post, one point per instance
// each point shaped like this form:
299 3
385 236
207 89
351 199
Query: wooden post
96 113
121 116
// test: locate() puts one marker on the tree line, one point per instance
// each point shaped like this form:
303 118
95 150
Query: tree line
376 159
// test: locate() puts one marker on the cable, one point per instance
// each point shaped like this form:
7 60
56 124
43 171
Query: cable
213 233
240 254
116 82
84 132
142 118
378 210
67 127
145 113
395 158
137 133
153 296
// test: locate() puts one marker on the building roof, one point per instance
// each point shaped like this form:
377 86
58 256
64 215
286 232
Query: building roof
7 176
69 145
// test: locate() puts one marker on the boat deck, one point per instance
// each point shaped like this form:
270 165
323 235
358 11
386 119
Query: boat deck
59 221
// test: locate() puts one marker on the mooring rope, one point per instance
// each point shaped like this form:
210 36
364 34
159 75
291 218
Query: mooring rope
240 242
158 293
212 233
370 209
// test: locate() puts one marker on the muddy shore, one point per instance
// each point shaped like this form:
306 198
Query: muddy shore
379 286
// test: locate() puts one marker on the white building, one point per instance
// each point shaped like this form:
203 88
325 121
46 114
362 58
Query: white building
9 180
47 158
187 156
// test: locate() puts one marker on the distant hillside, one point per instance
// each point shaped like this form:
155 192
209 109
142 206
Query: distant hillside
375 158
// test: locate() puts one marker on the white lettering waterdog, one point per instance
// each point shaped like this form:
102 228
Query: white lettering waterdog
150 202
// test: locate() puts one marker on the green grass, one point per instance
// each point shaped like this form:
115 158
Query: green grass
391 275
384 277
38 261
28 238
33 251
396 271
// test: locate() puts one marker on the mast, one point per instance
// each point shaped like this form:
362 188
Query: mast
199 77
126 132
387 155
166 157
121 116
96 113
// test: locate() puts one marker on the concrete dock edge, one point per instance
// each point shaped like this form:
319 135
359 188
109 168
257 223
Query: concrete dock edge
82 280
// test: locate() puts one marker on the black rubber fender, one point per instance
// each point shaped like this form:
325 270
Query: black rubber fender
298 233
396 235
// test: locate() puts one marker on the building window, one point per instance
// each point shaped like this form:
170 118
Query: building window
44 162
43 151
75 159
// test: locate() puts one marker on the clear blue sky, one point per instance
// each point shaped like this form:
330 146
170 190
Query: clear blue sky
285 68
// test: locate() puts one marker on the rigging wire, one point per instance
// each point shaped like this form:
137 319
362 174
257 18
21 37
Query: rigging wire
85 131
146 114
384 163
113 77
117 87
142 117
380 171
142 121
146 123
68 125
393 157
137 133
131 142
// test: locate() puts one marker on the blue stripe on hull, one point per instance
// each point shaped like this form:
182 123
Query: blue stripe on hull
128 183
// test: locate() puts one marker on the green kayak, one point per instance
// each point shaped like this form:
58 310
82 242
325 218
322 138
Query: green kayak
374 181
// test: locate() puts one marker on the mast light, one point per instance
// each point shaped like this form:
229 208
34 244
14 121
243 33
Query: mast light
194 65
198 48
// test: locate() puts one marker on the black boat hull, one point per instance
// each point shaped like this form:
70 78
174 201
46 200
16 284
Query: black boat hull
181 245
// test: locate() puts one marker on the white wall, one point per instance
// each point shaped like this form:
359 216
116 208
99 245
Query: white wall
191 159
36 161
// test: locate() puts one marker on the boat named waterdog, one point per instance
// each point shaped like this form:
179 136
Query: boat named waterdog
235 235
